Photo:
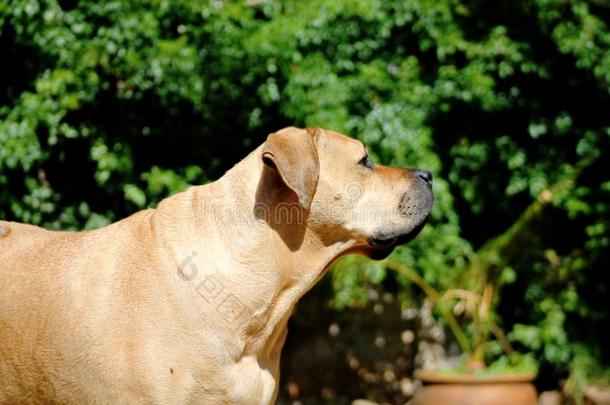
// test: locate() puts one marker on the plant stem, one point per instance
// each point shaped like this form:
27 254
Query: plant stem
434 296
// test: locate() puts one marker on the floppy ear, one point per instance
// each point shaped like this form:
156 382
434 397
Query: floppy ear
292 152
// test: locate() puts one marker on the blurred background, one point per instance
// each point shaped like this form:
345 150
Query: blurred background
107 107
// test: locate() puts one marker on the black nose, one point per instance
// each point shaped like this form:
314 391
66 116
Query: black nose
425 175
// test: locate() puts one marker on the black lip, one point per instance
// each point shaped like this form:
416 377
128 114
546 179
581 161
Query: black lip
388 244
380 254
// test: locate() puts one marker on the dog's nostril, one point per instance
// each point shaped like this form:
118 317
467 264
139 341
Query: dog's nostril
425 175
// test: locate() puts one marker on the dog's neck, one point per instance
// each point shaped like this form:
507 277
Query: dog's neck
271 247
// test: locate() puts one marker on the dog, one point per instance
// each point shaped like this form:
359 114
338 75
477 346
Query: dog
189 302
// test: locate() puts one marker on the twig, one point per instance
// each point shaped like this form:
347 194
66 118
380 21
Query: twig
415 278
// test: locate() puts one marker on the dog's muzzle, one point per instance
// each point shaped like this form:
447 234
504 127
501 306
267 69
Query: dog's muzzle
415 208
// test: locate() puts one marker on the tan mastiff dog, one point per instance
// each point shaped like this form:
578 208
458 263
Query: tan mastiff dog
189 302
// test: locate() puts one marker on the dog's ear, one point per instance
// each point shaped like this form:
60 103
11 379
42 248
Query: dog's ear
292 152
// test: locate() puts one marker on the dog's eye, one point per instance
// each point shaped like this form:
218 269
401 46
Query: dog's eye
366 162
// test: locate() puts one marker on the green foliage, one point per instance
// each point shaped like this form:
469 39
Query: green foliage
513 364
586 370
107 107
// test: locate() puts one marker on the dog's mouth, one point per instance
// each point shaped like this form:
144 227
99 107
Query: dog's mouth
382 245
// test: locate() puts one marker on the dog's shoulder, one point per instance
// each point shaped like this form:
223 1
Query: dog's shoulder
17 236
5 229
20 240
10 230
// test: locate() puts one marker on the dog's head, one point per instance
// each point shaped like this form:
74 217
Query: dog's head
344 195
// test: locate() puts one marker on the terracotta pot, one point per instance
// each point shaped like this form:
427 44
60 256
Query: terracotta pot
510 389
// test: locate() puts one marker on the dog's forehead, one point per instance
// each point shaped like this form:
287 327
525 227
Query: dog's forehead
339 143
